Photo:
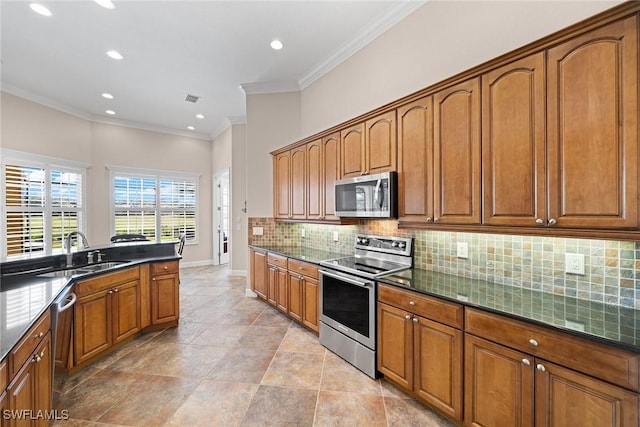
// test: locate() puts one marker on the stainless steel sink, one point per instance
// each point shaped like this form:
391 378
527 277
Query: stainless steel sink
85 269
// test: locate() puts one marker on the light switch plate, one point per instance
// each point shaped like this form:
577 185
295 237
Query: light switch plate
258 231
574 263
463 250
302 233
335 236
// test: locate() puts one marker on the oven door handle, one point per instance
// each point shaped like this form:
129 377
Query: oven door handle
348 279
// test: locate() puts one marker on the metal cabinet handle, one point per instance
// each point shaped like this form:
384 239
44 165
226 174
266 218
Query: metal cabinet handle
153 278
38 357
526 362
539 221
115 290
110 291
435 219
540 367
429 219
415 320
38 336
407 317
533 342
553 221
412 303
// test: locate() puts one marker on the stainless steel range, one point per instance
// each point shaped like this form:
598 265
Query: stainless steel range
348 297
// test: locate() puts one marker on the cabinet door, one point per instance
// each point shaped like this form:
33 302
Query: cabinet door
438 365
310 303
353 155
273 284
21 394
4 405
415 161
42 376
282 185
165 299
93 325
331 173
395 345
314 180
259 276
282 298
513 143
126 310
498 385
298 183
592 134
457 154
565 397
295 296
380 143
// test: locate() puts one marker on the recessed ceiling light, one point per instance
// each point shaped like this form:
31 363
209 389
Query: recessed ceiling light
40 9
199 116
107 4
114 54
111 112
191 128
276 45
107 95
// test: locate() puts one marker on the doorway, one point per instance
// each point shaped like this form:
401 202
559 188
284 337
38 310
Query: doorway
221 216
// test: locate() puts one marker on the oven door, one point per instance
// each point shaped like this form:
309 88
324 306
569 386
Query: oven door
347 304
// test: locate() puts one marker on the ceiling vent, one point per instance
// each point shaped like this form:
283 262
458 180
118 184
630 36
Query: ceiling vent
192 98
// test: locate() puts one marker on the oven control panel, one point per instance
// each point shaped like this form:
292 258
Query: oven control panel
386 244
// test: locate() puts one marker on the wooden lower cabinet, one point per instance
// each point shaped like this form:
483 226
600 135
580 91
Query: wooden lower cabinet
278 288
165 293
310 303
505 387
106 313
29 393
295 285
258 271
4 405
422 356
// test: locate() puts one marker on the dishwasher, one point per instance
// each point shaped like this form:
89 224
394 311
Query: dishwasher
61 323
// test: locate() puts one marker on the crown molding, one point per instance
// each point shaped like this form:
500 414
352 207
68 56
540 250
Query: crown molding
43 100
147 127
377 28
229 121
261 88
237 120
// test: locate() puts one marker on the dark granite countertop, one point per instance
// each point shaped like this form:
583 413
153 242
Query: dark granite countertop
298 252
25 296
614 325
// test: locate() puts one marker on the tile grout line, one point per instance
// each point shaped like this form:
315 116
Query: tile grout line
315 412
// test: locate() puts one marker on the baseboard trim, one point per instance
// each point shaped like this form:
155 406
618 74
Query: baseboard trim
249 293
242 273
202 263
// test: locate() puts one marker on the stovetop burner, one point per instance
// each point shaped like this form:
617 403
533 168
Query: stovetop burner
375 256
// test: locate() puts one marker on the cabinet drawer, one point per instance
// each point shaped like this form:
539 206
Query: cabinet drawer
608 363
304 268
4 372
165 267
106 281
435 309
279 260
29 342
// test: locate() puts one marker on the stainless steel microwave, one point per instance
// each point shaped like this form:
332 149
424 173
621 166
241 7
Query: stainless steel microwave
367 196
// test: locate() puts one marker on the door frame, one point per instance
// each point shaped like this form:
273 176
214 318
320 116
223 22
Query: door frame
218 256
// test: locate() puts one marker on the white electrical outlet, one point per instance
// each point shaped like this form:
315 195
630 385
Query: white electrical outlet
335 236
577 326
302 233
574 263
258 231
463 250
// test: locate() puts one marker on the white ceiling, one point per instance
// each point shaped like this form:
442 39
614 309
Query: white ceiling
212 49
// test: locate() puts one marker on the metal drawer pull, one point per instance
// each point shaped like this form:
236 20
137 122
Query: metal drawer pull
415 320
407 317
38 336
526 362
539 221
412 303
38 357
533 342
552 221
541 367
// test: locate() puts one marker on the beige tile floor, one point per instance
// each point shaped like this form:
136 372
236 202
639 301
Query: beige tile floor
233 361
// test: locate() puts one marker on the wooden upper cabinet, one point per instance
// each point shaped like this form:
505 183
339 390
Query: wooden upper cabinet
298 183
314 179
592 129
331 173
457 154
415 161
513 143
380 144
282 185
353 152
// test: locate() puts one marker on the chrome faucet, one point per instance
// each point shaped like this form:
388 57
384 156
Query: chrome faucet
67 239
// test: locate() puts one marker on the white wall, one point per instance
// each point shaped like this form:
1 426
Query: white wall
273 121
34 128
439 40
238 261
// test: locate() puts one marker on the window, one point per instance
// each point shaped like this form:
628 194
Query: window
157 205
42 203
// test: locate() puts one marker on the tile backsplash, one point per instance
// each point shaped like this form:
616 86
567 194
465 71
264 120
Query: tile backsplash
612 268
